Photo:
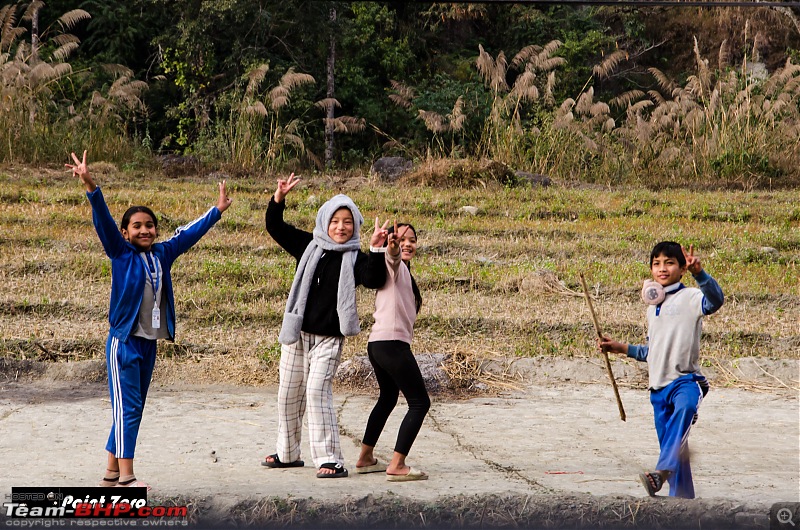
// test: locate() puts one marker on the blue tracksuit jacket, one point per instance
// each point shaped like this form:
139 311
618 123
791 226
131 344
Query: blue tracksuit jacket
127 272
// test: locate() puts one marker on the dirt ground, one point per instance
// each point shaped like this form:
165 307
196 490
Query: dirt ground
549 452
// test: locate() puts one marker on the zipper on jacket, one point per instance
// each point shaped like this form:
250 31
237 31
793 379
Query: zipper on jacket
319 277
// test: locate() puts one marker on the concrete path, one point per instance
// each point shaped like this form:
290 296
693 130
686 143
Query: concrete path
545 440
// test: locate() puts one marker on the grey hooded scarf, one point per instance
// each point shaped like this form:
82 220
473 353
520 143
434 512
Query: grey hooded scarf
303 276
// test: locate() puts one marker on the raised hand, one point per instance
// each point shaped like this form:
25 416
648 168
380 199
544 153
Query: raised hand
693 264
80 170
285 186
393 239
224 201
379 235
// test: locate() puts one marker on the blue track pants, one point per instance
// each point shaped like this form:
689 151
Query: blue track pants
674 409
130 369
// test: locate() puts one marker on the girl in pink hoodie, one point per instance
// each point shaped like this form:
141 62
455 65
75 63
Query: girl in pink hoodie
396 306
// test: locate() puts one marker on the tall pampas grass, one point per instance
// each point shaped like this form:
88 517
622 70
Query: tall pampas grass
724 126
263 130
533 70
39 111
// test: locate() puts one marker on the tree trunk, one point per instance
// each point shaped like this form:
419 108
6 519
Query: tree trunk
331 93
35 36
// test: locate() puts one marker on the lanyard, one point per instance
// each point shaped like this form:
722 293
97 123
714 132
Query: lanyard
154 280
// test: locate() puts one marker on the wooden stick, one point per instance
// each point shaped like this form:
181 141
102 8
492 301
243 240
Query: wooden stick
605 354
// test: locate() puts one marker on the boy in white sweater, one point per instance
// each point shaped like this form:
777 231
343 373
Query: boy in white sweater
674 324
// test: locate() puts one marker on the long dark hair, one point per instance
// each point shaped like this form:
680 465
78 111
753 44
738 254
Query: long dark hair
126 217
414 288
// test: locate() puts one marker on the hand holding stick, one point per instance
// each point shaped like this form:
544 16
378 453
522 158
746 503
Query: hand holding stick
605 354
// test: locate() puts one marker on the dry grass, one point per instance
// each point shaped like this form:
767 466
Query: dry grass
499 284
541 510
464 173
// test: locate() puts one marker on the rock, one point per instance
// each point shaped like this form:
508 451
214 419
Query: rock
472 210
532 179
178 166
768 250
312 200
358 371
430 365
390 168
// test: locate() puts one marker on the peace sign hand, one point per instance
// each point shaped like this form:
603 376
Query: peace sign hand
285 186
379 235
393 239
80 170
693 264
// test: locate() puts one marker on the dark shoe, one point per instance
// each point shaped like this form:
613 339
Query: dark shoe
276 462
339 471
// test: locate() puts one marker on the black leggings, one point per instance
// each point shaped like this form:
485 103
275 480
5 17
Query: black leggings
396 371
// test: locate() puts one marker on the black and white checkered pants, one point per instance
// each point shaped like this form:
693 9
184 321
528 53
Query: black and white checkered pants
307 368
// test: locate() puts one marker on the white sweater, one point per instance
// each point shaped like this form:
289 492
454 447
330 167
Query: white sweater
673 329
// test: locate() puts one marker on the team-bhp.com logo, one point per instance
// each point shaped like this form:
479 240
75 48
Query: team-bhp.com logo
48 503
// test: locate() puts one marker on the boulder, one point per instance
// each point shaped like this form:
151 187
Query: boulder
179 166
358 372
390 168
532 179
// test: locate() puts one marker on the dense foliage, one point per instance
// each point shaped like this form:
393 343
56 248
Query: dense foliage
604 94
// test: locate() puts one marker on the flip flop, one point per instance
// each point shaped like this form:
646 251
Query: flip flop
339 471
413 474
276 462
377 467
135 484
652 482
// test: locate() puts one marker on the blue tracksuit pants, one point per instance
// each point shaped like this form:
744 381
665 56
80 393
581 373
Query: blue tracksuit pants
674 409
130 369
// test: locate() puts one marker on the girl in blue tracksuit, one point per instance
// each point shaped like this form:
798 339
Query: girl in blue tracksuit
142 310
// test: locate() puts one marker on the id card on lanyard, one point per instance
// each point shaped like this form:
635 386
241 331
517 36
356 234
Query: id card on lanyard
155 280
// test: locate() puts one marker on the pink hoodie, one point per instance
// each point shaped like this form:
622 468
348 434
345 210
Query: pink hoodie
395 307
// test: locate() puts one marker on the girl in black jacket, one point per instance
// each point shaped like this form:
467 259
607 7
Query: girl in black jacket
320 312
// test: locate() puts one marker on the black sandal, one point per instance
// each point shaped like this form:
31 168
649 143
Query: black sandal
339 471
652 482
276 462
